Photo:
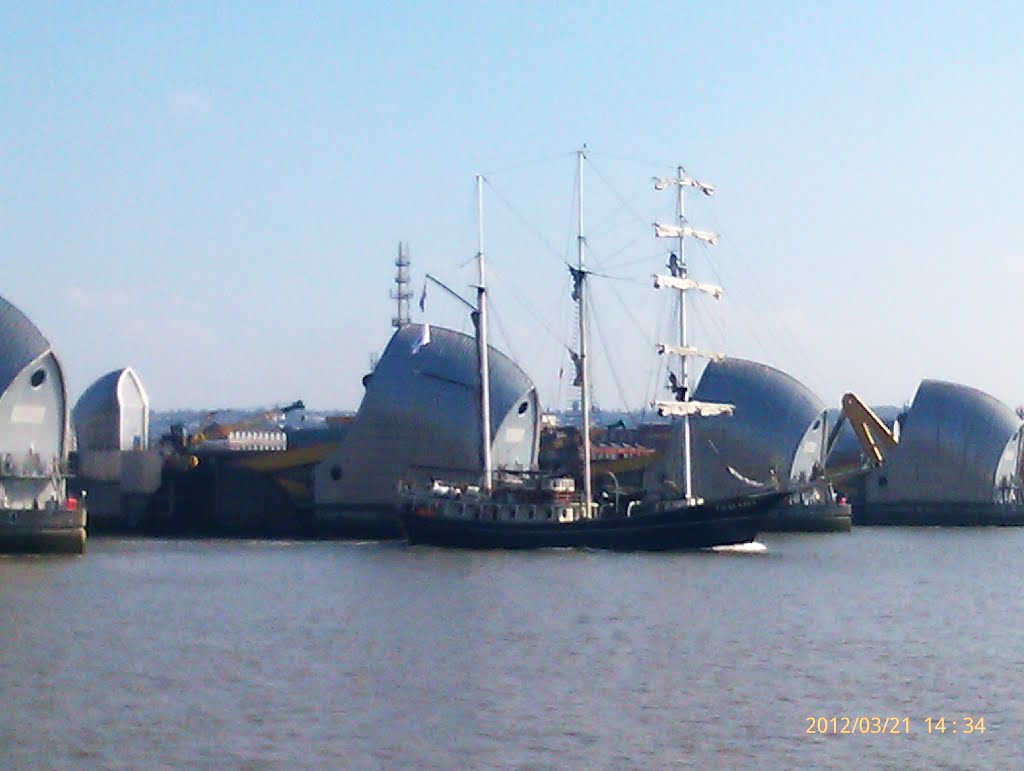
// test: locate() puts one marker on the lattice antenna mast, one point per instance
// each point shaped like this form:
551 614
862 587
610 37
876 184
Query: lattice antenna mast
401 294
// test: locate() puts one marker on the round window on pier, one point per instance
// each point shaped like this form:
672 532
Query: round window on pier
524 407
336 473
38 378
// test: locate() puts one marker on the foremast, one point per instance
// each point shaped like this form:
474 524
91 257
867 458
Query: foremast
682 406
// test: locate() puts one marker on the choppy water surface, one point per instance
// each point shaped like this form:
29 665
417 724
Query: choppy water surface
231 654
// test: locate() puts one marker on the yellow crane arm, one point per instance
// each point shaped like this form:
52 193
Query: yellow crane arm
874 436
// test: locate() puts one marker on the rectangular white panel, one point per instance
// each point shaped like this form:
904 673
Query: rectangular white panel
28 413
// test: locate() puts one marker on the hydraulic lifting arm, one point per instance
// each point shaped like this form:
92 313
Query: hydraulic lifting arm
874 436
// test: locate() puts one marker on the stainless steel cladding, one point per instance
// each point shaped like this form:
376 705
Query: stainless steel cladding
419 418
956 444
33 414
775 433
22 343
112 413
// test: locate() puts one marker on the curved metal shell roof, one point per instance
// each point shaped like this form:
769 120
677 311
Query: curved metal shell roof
99 398
21 343
952 444
98 417
771 424
421 411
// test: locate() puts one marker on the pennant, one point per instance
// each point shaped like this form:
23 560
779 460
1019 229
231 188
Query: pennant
423 297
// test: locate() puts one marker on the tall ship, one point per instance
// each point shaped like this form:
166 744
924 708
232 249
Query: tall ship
522 510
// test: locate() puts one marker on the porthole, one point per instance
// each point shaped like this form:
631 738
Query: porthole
38 378
883 481
336 473
524 407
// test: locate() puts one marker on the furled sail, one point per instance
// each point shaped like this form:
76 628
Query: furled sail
663 183
675 282
689 350
684 231
702 409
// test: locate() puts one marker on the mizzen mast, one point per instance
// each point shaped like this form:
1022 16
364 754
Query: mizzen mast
682 406
579 294
481 342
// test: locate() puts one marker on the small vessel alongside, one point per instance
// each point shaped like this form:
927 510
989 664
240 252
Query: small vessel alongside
520 511
54 528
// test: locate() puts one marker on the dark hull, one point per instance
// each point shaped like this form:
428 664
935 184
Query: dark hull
716 524
810 518
939 514
41 531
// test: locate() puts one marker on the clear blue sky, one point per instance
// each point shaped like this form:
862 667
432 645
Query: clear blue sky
213 193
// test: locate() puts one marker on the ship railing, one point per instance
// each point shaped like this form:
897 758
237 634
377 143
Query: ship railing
32 466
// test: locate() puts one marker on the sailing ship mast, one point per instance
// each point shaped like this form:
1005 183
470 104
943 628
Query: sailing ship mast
579 294
481 343
683 406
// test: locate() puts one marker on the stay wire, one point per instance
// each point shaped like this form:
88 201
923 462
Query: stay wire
606 350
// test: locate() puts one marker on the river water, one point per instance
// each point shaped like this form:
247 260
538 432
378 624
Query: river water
146 654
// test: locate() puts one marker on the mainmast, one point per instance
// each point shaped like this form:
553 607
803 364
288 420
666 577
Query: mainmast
481 342
579 292
682 406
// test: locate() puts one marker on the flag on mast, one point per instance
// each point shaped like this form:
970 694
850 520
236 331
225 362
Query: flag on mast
424 339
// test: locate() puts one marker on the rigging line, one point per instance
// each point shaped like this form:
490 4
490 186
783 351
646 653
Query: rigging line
629 313
493 312
789 336
711 324
522 218
508 287
544 160
668 312
609 277
654 165
606 351
645 258
627 205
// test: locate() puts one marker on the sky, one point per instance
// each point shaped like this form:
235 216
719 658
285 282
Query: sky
213 193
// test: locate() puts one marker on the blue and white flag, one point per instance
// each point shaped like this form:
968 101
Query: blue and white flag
424 339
